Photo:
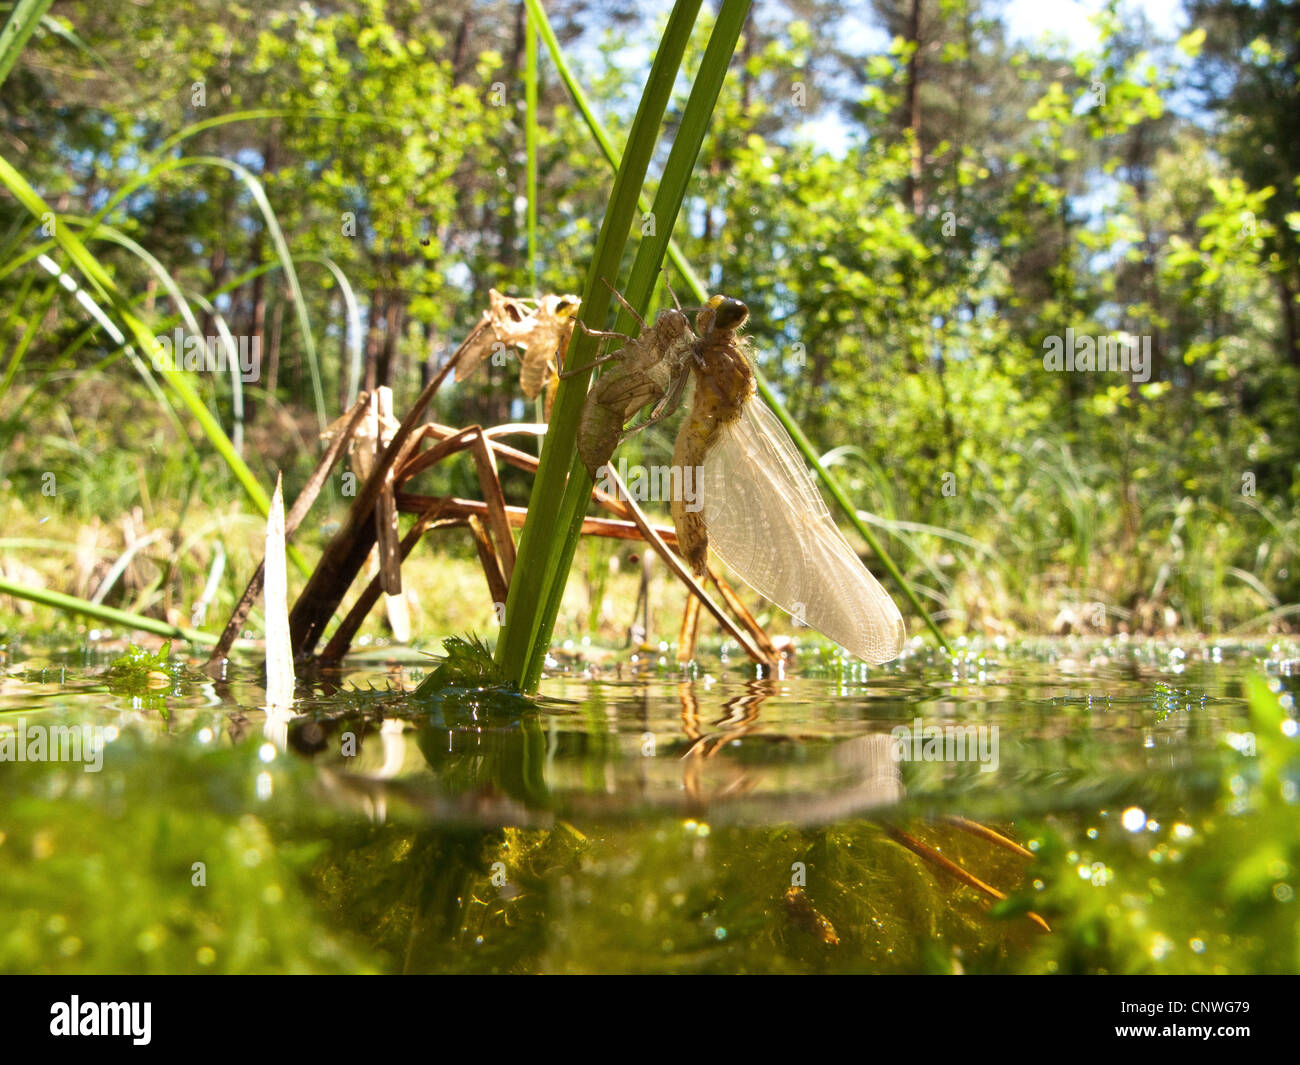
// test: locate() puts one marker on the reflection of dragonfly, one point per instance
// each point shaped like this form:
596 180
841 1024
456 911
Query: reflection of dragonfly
756 503
865 773
741 718
874 780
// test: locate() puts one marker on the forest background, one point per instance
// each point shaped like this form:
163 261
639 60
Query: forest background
920 200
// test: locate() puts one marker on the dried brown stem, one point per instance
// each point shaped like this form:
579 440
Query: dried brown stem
497 587
291 522
346 553
742 612
984 832
683 573
929 854
347 630
690 630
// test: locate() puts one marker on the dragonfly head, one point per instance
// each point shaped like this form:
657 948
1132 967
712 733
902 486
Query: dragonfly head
728 313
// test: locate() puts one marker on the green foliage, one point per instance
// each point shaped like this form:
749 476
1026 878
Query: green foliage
135 666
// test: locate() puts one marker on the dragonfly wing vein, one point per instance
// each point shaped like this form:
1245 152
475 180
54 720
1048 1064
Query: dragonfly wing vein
767 522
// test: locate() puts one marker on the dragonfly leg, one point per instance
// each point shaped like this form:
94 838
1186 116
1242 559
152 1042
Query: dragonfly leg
630 309
604 333
663 408
566 374
676 302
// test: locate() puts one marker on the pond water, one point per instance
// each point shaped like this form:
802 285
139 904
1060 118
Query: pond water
1038 807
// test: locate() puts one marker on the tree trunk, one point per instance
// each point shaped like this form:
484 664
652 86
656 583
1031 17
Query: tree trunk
914 194
273 348
1290 319
394 316
372 338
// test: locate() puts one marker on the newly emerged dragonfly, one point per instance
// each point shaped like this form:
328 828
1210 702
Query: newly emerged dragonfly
758 506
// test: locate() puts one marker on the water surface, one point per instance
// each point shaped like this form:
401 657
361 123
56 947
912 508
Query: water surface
1112 806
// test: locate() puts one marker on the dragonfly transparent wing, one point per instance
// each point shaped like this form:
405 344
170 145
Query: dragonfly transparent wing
768 523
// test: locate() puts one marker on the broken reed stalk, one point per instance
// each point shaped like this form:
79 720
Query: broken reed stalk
291 522
351 623
386 531
346 553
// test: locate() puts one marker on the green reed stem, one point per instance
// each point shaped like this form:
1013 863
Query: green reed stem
645 272
529 620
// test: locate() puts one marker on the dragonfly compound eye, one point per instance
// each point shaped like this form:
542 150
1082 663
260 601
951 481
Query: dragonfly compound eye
730 314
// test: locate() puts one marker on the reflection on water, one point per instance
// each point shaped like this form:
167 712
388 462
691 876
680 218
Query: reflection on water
934 816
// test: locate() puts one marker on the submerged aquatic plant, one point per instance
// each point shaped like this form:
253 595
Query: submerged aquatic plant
1132 897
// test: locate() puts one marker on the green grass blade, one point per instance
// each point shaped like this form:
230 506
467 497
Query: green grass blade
70 604
645 273
29 330
22 22
353 312
233 368
530 139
